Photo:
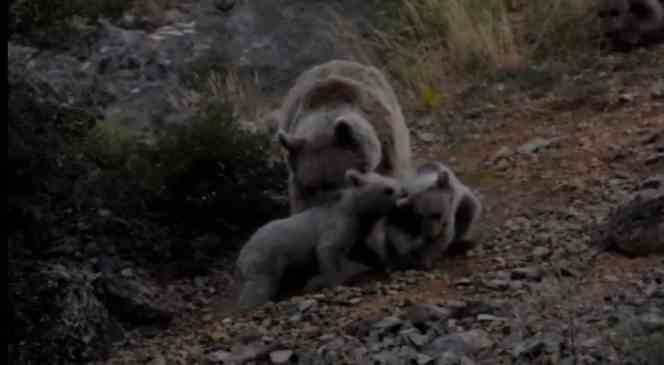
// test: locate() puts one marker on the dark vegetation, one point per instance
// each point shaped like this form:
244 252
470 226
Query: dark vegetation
88 197
55 24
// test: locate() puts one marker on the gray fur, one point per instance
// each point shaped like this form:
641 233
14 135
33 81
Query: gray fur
437 216
322 234
632 22
340 115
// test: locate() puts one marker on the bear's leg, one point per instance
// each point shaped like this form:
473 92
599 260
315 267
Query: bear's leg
330 257
466 215
425 257
349 269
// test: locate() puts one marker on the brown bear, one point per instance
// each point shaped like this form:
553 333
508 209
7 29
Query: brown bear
337 116
314 242
436 217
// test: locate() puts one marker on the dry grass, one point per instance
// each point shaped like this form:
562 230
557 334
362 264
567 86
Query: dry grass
240 92
563 30
225 84
432 48
435 42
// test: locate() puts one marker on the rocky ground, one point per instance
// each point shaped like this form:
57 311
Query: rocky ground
549 165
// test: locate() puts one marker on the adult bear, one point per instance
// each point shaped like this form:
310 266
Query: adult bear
338 116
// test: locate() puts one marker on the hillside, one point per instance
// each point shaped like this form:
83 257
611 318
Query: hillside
122 243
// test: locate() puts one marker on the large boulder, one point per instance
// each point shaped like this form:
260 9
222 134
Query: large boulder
636 228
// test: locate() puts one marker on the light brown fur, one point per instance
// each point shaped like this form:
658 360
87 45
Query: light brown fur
340 115
320 236
437 217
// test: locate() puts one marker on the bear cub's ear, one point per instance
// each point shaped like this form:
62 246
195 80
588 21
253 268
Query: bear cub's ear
354 178
292 144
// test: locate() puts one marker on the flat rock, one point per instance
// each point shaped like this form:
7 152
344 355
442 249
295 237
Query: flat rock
534 347
541 252
527 273
536 145
451 358
421 314
426 137
281 356
468 342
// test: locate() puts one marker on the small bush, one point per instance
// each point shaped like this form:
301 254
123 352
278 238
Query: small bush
209 175
561 30
636 341
210 79
439 47
648 350
110 143
477 33
434 43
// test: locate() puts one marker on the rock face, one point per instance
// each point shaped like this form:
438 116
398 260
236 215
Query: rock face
133 74
637 227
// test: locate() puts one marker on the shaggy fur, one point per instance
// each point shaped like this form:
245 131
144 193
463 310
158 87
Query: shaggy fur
320 236
337 116
435 218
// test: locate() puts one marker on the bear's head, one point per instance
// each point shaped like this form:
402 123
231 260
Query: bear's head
432 208
332 143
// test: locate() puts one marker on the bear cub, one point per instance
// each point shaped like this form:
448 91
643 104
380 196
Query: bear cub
323 234
435 218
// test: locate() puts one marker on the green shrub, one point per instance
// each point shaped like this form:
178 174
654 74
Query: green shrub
636 341
648 350
110 144
210 175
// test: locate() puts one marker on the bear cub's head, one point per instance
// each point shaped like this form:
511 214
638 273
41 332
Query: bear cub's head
432 206
372 194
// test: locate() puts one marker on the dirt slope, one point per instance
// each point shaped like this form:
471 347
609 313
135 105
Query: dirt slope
586 136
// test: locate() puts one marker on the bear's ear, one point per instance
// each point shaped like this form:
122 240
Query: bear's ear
343 132
290 143
443 180
354 178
